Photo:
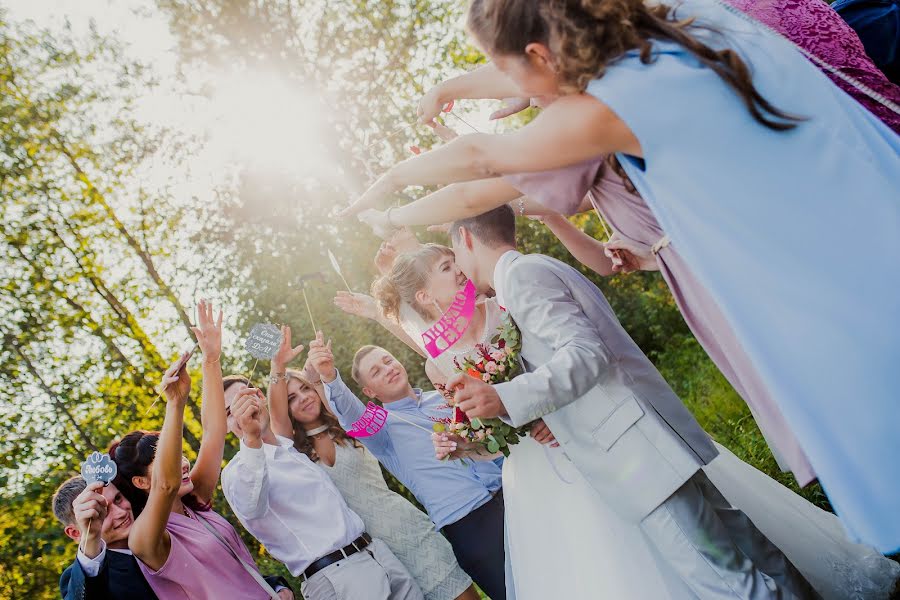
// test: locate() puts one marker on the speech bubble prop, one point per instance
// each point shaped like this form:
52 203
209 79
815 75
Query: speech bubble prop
263 341
452 324
98 467
371 422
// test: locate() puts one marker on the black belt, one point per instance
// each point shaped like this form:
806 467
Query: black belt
329 559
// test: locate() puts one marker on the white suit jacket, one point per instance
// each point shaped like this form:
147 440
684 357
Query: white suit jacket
614 415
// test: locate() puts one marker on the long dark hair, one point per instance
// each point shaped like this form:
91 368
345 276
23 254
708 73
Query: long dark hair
301 441
586 36
133 455
304 443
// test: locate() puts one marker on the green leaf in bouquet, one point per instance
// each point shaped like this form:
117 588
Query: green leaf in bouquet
493 446
476 423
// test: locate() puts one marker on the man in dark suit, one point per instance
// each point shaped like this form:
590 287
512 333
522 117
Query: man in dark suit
104 568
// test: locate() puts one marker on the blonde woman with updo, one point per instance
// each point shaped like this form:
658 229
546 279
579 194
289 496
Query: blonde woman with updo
413 294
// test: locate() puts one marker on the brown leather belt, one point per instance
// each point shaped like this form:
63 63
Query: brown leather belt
355 546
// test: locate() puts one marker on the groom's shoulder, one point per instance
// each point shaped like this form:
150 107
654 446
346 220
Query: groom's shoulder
532 265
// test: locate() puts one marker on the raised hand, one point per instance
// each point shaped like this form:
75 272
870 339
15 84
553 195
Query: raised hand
246 411
629 256
430 106
321 358
285 353
383 187
176 383
379 221
510 107
475 397
360 305
90 510
384 258
208 331
442 131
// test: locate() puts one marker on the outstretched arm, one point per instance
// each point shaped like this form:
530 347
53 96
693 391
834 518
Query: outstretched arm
148 539
363 305
571 130
486 82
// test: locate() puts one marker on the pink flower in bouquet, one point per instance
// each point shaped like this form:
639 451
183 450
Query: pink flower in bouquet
480 435
501 367
491 367
498 355
486 378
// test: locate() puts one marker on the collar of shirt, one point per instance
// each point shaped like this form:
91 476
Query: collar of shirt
413 401
502 264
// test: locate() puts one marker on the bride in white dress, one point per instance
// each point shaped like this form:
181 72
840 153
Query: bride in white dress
562 541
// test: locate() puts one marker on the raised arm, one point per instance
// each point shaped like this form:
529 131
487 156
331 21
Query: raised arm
246 480
279 412
571 130
586 250
343 403
148 539
363 305
205 473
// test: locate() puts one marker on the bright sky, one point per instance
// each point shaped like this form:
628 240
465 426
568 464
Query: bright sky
257 119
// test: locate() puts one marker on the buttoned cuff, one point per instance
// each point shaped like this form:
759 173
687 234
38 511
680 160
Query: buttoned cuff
336 381
92 566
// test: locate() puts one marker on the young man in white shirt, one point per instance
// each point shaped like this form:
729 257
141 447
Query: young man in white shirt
290 505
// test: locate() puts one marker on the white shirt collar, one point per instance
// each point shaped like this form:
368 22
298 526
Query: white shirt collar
502 264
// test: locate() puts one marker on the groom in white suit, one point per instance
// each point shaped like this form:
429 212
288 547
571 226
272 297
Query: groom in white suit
615 416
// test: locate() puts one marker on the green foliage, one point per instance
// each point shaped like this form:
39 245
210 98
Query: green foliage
97 268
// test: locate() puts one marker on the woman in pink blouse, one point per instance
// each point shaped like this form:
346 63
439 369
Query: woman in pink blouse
185 550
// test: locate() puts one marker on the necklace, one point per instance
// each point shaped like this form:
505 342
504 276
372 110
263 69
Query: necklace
316 431
184 510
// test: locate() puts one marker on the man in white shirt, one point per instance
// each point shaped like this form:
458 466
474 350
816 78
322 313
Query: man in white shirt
290 505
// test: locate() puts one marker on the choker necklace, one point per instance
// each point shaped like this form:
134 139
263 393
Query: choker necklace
316 431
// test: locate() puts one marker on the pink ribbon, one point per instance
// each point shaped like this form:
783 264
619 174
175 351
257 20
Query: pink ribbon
452 324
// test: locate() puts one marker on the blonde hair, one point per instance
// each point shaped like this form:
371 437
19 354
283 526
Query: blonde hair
357 358
408 275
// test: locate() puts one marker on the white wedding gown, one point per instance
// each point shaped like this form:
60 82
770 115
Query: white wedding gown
564 543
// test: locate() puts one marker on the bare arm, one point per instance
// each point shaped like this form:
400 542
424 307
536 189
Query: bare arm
205 473
363 305
482 83
279 412
586 250
457 201
148 539
571 130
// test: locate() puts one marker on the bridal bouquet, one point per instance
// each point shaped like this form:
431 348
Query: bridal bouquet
493 363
